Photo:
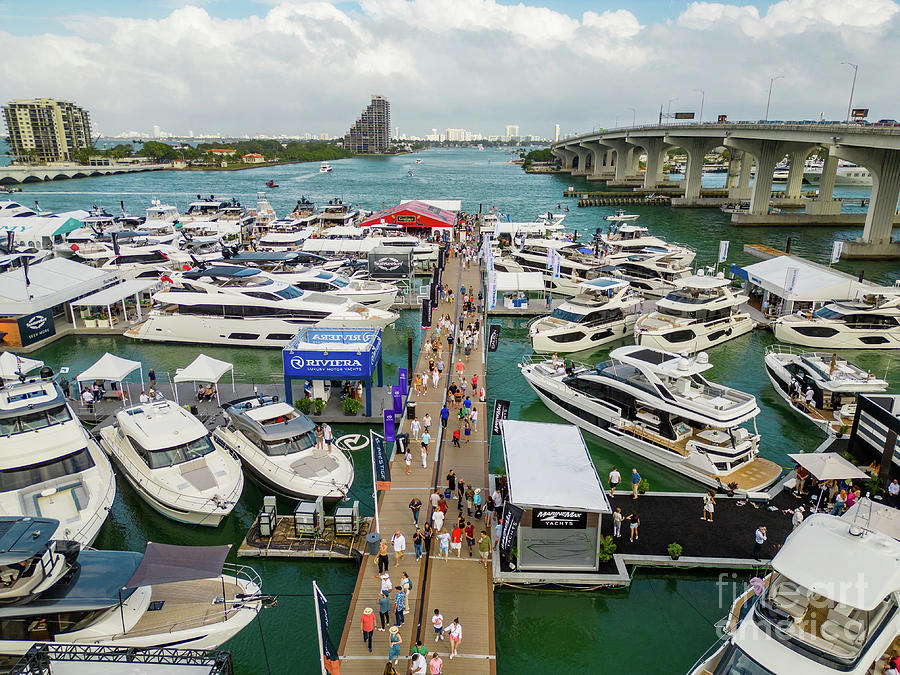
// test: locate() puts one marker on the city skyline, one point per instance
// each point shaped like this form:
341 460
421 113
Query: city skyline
212 66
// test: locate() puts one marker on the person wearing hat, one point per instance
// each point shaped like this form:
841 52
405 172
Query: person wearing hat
367 623
396 641
797 518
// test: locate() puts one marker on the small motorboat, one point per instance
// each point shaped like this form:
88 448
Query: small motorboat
271 184
325 167
409 174
418 161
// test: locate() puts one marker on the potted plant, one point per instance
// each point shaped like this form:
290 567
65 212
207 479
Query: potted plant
304 405
318 406
843 429
350 405
607 548
674 550
90 322
643 486
732 486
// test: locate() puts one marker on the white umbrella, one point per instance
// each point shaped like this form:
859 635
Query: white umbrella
828 466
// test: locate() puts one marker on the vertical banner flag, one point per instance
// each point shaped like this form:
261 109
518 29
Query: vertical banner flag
389 418
497 229
403 378
494 337
512 514
836 250
501 412
380 460
549 258
492 291
426 313
723 251
398 399
557 259
327 651
791 279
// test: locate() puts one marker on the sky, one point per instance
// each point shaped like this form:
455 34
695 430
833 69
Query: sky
295 66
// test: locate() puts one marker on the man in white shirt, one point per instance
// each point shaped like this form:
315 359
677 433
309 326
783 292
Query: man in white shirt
144 398
88 399
399 542
328 435
614 479
894 492
417 664
797 518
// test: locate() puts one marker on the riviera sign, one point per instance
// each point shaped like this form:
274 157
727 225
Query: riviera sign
332 354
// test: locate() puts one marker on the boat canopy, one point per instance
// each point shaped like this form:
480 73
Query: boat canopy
520 281
167 563
12 364
23 538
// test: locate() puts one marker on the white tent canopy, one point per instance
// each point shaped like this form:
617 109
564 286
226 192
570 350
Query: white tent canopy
113 294
520 281
548 465
813 283
203 369
11 365
828 466
111 367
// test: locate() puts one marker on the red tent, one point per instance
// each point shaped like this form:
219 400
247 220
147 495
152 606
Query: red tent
412 214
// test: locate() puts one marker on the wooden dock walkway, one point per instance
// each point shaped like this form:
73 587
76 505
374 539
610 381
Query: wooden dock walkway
458 587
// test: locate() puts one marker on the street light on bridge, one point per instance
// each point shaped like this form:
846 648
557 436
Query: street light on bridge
852 86
769 99
702 99
633 116
669 110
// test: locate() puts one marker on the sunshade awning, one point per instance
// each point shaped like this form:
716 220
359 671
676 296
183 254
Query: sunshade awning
828 466
114 294
11 365
203 369
520 281
109 367
167 563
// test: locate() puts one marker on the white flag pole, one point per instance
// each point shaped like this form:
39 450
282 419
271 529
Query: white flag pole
319 628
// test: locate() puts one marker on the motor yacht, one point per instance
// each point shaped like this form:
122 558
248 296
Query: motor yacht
277 446
626 240
653 275
872 322
303 209
161 213
167 456
701 313
658 405
271 261
835 383
325 167
604 311
169 595
621 217
231 305
845 174
830 605
274 240
534 256
49 465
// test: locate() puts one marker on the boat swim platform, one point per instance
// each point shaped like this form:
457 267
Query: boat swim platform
284 542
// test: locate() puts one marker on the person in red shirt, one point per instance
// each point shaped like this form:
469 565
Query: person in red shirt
470 536
367 623
456 540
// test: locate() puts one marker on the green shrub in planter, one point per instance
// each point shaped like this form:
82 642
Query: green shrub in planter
674 550
351 406
318 406
643 486
607 548
304 405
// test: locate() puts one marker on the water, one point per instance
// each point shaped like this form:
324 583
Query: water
536 629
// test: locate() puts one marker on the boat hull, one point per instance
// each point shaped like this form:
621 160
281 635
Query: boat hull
844 337
597 336
704 335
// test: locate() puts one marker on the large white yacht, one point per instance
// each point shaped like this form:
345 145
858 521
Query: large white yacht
534 256
658 405
50 467
628 239
231 305
277 445
702 312
829 606
873 322
167 456
654 275
604 311
168 595
834 380
846 173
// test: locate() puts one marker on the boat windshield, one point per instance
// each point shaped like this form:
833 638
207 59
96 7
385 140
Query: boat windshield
32 421
20 477
565 315
693 296
288 446
159 459
826 313
736 662
289 293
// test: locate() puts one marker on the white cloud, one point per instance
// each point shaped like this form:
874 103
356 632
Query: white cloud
310 65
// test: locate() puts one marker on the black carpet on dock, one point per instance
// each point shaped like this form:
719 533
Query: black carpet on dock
667 519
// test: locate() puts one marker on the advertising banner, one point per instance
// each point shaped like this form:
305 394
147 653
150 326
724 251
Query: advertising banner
556 519
492 290
32 328
512 515
501 412
330 659
398 399
426 313
836 250
494 337
380 458
723 251
403 378
389 417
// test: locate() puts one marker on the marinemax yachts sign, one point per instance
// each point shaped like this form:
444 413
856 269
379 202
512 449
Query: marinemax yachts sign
558 519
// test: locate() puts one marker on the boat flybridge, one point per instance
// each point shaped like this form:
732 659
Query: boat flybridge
50 467
534 256
835 384
872 322
621 217
658 405
654 275
604 311
168 458
325 167
277 446
231 305
169 595
830 605
629 239
701 313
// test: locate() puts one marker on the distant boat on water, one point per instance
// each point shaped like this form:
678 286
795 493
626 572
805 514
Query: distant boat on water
325 167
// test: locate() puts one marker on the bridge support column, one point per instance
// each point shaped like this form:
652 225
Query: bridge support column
876 242
824 204
656 151
793 187
584 155
767 154
599 170
624 160
696 149
566 156
739 170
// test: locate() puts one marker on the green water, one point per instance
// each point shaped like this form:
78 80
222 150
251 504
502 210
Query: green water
663 622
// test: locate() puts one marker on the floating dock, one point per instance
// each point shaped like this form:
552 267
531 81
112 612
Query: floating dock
284 542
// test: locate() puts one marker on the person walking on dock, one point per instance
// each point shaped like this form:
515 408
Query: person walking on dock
426 439
635 522
614 479
473 418
437 520
396 641
418 541
418 664
383 558
445 415
760 539
709 505
426 423
399 605
415 428
443 543
456 540
415 505
617 522
367 624
451 482
437 622
484 548
461 370
384 610
399 542
455 631
469 531
407 460
436 665
635 481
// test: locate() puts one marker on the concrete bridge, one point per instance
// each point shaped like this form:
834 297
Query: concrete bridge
35 173
613 156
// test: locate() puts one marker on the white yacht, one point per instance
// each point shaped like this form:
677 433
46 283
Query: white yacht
277 445
325 167
168 458
231 305
161 213
49 464
846 174
626 240
275 240
829 606
653 275
621 217
168 595
604 311
659 406
834 380
873 322
701 313
534 256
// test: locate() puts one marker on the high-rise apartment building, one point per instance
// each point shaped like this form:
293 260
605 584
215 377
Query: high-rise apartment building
371 133
556 134
46 130
512 132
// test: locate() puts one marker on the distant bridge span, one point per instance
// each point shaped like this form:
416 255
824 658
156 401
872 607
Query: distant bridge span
35 173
